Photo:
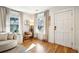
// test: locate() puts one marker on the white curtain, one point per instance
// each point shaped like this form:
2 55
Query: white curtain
47 20
3 13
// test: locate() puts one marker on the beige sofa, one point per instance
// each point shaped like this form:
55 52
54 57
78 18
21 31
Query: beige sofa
7 41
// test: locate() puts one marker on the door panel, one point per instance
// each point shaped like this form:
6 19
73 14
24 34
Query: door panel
64 28
59 29
68 26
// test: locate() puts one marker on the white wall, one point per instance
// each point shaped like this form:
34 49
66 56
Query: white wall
30 19
77 27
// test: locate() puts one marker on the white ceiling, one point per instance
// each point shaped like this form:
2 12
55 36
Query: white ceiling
30 9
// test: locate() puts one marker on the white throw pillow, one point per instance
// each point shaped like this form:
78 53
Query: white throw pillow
3 36
10 36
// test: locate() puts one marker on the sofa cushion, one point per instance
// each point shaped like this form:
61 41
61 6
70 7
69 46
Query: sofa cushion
3 36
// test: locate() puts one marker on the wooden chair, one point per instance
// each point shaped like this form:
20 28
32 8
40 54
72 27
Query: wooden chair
27 35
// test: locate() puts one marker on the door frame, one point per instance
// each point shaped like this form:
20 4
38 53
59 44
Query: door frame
65 10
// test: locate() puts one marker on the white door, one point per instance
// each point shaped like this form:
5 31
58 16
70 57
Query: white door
64 28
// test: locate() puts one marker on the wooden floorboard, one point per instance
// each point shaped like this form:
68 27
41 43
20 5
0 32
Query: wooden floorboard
46 47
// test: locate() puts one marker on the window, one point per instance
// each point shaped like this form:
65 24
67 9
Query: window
40 22
14 24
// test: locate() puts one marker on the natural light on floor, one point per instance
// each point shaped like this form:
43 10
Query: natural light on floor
31 47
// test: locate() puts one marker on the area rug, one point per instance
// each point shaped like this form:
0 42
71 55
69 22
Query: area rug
20 49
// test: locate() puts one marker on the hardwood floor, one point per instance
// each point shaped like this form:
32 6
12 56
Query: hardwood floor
38 46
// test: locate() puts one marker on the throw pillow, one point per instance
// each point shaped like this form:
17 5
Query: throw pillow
3 36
